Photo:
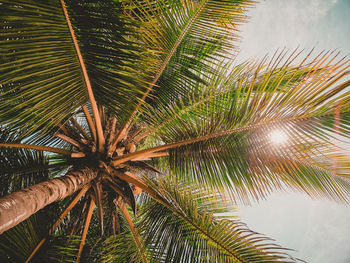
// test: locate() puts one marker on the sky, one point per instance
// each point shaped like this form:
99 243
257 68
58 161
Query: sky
318 230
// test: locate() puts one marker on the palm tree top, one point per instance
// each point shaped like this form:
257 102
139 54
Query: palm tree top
131 125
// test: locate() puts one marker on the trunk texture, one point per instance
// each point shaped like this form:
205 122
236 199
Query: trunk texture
18 206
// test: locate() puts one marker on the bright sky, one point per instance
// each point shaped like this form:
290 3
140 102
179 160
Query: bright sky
318 229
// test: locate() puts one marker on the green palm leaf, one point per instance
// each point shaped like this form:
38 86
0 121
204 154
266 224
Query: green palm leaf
41 80
112 57
140 104
20 168
113 249
41 77
222 136
18 243
184 37
185 231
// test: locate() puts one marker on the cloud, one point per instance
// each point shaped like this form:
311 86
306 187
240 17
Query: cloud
276 24
317 229
310 11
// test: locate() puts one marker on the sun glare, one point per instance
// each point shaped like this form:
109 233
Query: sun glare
278 137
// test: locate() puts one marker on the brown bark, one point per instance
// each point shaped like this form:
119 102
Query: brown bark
18 206
65 212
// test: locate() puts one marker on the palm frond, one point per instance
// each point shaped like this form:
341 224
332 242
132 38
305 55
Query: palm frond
115 247
41 80
138 105
182 232
20 168
62 249
18 243
222 137
133 231
107 41
184 37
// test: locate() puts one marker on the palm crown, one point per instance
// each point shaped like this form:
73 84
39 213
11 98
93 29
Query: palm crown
133 129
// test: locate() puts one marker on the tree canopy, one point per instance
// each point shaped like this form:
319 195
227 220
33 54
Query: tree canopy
128 128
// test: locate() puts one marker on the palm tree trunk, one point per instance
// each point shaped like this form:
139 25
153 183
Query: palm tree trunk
18 206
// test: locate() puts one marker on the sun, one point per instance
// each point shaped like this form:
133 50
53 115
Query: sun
278 137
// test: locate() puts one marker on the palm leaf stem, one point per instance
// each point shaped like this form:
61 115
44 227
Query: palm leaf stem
98 197
125 212
102 115
77 218
78 155
36 147
147 152
63 215
63 128
68 139
199 229
150 155
70 206
115 189
81 130
95 112
120 135
36 249
182 215
86 227
132 179
164 64
115 218
90 123
112 131
113 223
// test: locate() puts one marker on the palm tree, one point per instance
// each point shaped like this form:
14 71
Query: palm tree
127 129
